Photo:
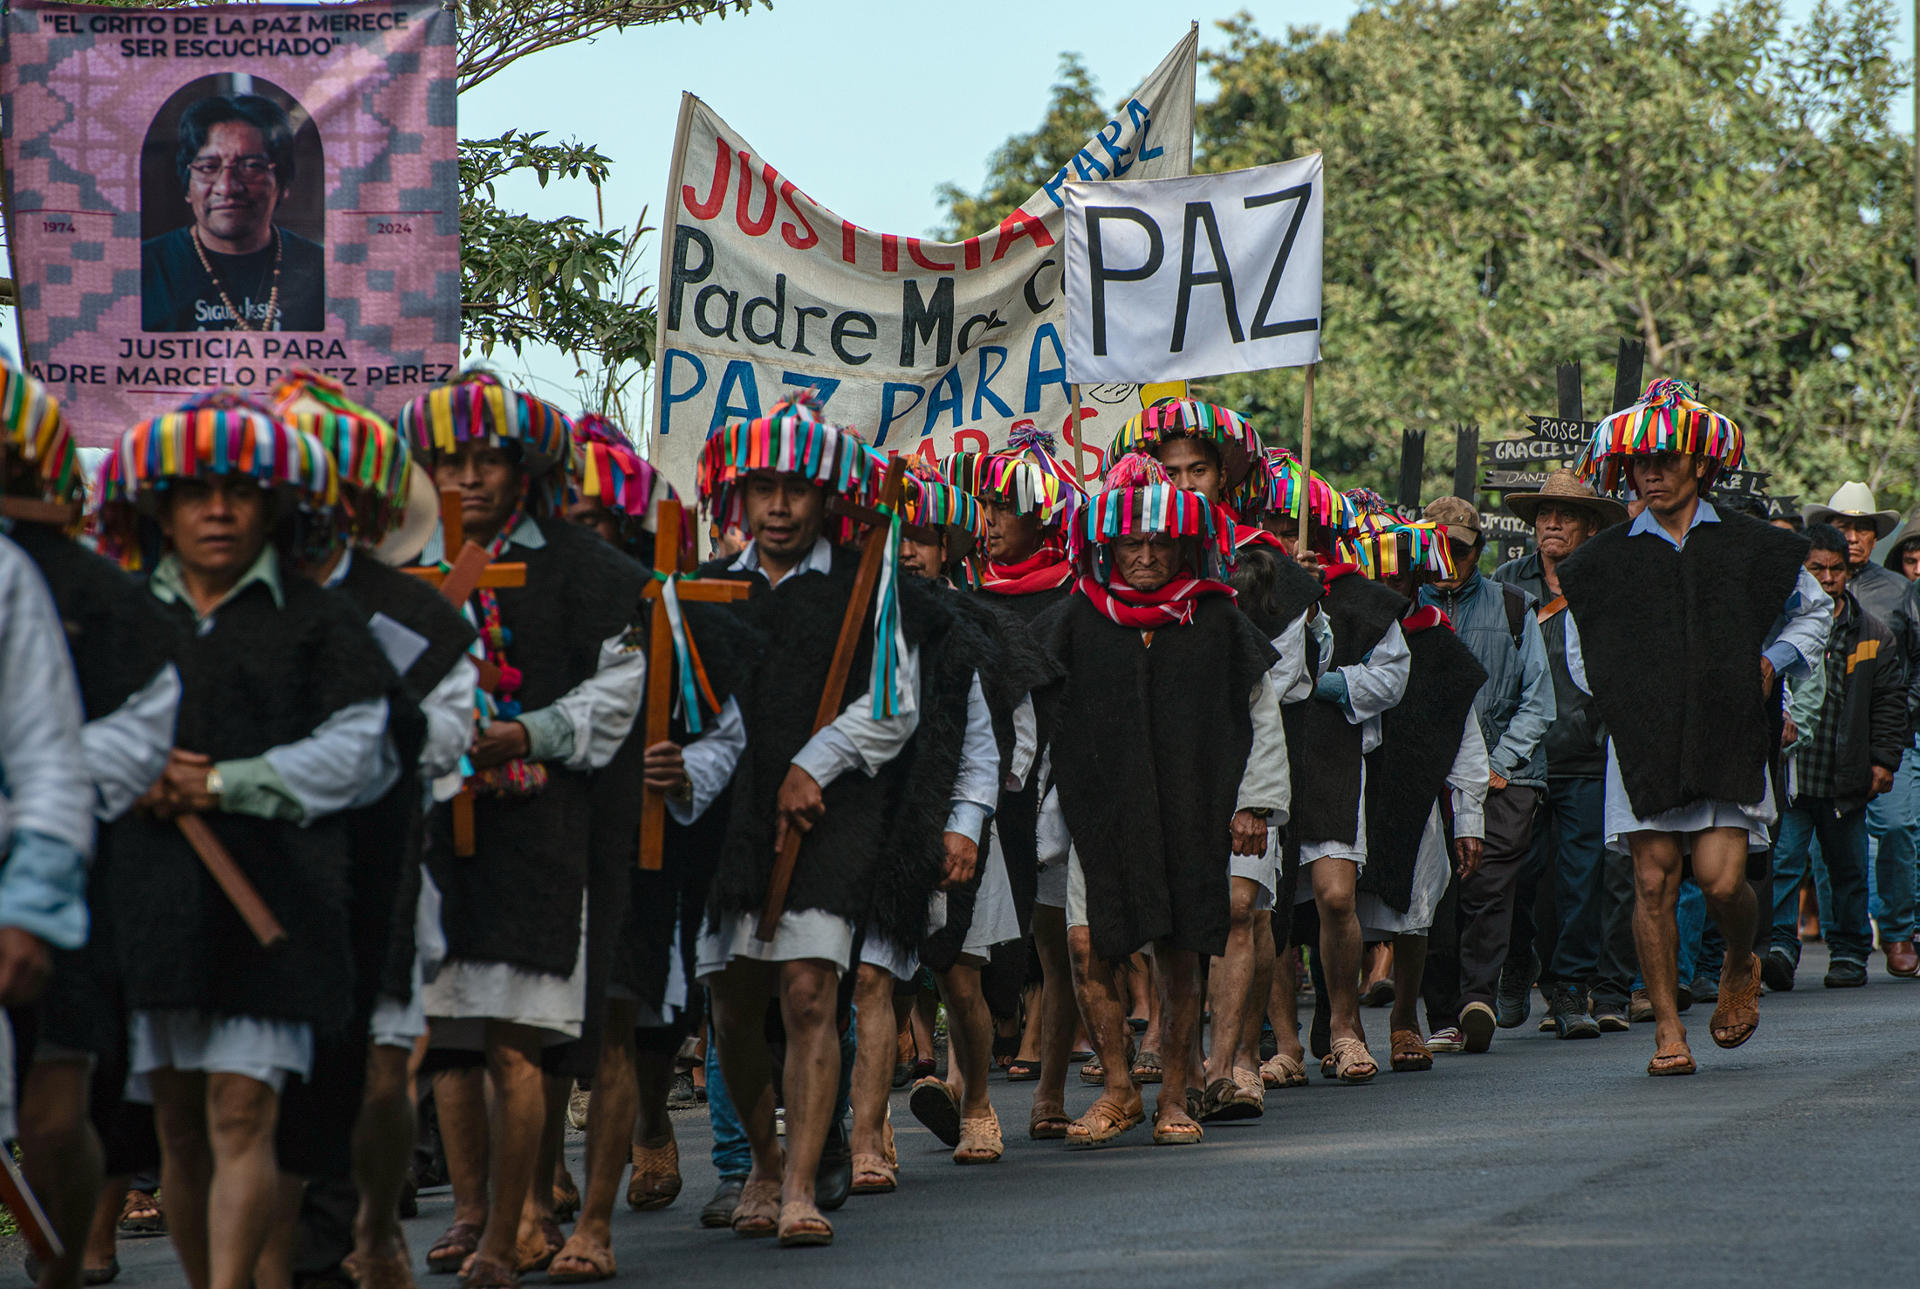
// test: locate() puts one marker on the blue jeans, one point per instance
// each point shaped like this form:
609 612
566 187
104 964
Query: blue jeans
1893 820
1843 847
732 1156
1690 921
1571 833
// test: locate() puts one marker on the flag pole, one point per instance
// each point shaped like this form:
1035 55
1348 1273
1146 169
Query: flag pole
1302 512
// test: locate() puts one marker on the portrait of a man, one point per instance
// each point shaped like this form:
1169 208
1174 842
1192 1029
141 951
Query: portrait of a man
231 266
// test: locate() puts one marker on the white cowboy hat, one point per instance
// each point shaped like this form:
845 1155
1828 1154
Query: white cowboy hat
404 544
1854 501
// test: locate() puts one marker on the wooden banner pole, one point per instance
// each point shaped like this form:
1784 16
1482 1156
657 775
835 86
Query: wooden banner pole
1303 513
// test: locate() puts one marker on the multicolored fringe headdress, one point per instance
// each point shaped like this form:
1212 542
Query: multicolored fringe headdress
607 469
790 439
37 437
1026 474
221 432
370 458
933 502
1140 498
1189 418
1274 489
1387 548
479 406
1365 501
1668 418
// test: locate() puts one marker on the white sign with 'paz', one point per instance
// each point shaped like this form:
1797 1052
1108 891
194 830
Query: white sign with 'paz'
1169 279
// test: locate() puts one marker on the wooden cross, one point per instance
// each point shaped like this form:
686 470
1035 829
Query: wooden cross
469 569
667 561
863 585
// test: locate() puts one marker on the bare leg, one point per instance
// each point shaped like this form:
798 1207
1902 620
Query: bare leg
740 995
873 1058
62 1160
382 1150
1340 946
1032 1007
103 1235
1180 978
1283 1004
1229 987
514 1128
1656 886
969 1038
612 1107
275 1267
186 1166
1258 989
1154 1037
460 1101
1106 1016
653 1075
551 1163
811 1075
1409 965
1720 868
241 1114
1058 1011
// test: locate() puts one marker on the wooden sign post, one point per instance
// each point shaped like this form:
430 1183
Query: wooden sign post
835 689
468 569
667 563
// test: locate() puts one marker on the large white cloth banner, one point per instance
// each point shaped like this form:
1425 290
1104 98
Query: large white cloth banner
924 347
1169 279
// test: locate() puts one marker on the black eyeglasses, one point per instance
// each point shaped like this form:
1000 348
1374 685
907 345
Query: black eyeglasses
251 169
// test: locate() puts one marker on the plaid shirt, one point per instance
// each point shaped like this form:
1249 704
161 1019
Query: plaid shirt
1818 768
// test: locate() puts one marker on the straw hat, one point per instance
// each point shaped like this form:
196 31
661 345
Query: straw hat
1565 488
1854 501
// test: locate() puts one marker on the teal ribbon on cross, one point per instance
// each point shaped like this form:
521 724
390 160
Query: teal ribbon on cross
687 701
889 641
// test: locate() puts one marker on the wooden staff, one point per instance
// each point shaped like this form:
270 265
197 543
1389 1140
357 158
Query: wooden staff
1303 512
18 1199
864 582
470 568
661 662
232 881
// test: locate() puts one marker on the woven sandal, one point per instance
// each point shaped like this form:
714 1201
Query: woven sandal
453 1248
1048 1123
873 1175
1352 1063
980 1141
758 1212
655 1182
1410 1054
1737 1014
1283 1071
597 1263
1674 1058
1104 1120
803 1226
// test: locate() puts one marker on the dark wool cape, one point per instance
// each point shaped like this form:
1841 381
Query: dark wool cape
516 900
390 835
1408 771
842 855
1671 641
1019 668
1290 589
119 639
672 899
916 834
1149 750
258 677
1324 745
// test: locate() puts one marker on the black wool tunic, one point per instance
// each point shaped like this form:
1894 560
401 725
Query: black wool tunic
1149 750
1324 745
253 677
1671 642
841 855
119 639
1408 771
517 899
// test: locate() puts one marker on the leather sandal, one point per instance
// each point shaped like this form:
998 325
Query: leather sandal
488 1273
1737 1015
1168 1131
980 1141
453 1248
1409 1052
933 1104
803 1226
1673 1058
1104 1120
873 1175
1352 1063
1283 1071
1048 1123
655 1182
758 1212
597 1263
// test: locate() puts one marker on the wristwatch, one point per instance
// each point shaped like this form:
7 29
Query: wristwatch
216 786
682 792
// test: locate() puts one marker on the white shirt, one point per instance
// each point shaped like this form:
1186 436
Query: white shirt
1376 684
127 749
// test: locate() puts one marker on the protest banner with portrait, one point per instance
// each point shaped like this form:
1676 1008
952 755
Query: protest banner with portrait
925 347
214 196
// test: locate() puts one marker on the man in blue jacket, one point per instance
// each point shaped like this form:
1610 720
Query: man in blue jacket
1514 708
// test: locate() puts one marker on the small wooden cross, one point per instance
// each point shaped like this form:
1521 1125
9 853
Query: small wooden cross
469 569
667 560
864 582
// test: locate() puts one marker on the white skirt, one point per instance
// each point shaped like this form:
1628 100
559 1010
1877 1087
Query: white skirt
1356 850
812 933
464 996
1431 869
266 1051
1695 816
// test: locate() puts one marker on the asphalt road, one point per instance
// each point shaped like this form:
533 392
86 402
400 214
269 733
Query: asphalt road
1541 1163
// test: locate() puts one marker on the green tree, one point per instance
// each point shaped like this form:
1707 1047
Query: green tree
1026 161
1512 183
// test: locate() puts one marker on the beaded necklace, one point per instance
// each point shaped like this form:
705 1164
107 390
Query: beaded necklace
273 297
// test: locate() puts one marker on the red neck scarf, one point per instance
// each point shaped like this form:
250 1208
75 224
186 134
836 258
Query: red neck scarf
1044 570
1171 605
1331 573
1425 619
1245 535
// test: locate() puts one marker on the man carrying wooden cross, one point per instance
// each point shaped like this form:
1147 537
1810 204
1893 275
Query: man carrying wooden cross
282 727
515 979
837 786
